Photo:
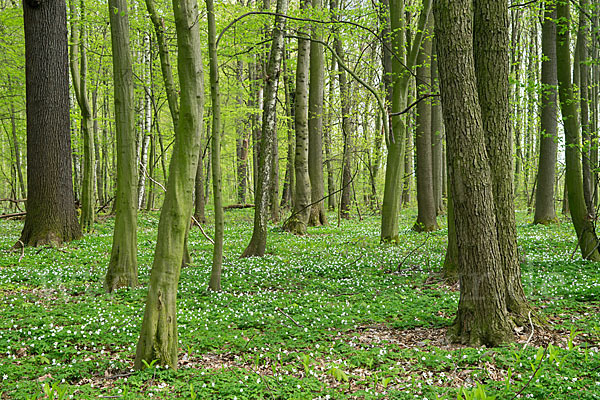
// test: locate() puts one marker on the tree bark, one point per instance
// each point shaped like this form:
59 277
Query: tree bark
258 242
51 216
437 141
122 268
158 337
482 318
545 212
582 221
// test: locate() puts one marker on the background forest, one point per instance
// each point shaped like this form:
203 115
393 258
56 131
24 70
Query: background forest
392 199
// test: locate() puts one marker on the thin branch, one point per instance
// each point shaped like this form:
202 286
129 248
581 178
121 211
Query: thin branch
407 109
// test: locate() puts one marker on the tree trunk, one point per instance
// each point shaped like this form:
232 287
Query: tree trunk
482 318
158 337
315 125
427 212
217 264
545 212
331 198
122 268
298 221
258 242
491 49
51 216
437 141
582 221
288 185
584 92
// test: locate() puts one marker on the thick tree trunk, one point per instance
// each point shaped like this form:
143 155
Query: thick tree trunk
158 337
482 317
298 221
122 268
51 216
427 212
315 125
545 212
491 47
258 242
582 221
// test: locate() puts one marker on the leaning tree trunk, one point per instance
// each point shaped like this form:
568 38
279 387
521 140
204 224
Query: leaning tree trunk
482 318
298 221
315 126
79 75
545 212
427 212
258 242
158 337
582 221
122 268
51 216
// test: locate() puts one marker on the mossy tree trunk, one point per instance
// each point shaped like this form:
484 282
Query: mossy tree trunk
582 221
51 216
122 268
217 264
258 242
482 317
158 337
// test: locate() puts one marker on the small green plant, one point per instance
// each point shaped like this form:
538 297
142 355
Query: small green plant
338 374
193 394
55 391
476 394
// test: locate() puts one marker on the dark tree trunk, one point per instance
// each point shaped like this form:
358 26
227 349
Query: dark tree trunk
482 317
51 216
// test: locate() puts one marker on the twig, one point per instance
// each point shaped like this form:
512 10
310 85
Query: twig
287 315
531 378
532 330
202 230
412 252
22 249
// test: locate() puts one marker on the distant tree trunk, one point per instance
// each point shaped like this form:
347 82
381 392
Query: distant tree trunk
122 268
544 197
289 181
491 47
298 221
51 216
437 142
584 92
258 242
315 125
158 337
482 318
16 147
409 147
582 221
274 188
450 266
426 218
331 198
217 263
146 123
79 75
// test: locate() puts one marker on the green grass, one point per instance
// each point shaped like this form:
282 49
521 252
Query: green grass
330 315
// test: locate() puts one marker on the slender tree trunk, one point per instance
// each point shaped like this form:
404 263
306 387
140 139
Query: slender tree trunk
582 221
122 268
274 189
544 197
298 221
315 125
426 218
217 264
51 216
258 242
79 75
437 142
158 337
584 92
289 181
331 198
16 147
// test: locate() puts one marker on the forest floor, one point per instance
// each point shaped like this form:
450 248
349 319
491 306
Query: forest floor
330 315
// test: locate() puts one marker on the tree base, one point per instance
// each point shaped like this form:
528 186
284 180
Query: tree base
295 225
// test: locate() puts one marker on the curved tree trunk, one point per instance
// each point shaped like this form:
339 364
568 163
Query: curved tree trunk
258 242
482 317
582 221
158 337
545 212
51 216
122 268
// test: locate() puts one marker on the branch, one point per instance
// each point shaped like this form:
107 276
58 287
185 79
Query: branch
407 109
